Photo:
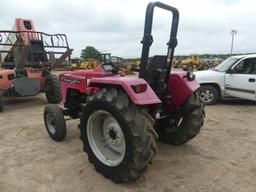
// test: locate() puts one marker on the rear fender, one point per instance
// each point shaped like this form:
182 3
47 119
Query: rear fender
145 98
180 88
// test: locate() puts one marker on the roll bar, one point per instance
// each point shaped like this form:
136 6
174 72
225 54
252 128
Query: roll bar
148 38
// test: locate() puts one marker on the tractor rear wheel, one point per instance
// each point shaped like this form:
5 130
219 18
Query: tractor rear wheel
52 89
1 106
117 135
189 125
54 122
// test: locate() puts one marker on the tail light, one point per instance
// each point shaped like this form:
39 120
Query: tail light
140 88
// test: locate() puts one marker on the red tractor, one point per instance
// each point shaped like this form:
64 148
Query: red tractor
26 59
121 117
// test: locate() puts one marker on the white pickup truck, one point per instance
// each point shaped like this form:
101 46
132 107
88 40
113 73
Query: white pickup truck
234 77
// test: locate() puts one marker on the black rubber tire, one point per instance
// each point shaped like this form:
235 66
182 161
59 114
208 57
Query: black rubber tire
214 92
1 106
189 127
137 127
1 102
52 89
58 121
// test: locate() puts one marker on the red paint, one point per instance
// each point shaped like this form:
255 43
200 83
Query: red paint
5 84
83 76
19 26
144 98
96 78
37 75
90 81
180 88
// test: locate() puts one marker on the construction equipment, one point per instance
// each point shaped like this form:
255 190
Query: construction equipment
92 63
75 63
89 64
131 67
104 57
190 63
27 58
122 117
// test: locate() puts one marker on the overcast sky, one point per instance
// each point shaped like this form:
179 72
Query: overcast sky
116 26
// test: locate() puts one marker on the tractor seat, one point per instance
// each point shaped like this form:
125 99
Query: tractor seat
157 62
156 73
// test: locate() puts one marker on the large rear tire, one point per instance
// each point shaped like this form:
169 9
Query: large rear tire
1 106
52 89
54 122
189 125
117 135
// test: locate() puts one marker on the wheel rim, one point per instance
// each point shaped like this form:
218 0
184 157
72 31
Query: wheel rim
50 123
106 138
206 96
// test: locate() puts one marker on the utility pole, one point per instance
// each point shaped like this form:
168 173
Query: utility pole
233 33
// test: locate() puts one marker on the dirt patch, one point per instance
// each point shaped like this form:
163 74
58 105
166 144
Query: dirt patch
221 158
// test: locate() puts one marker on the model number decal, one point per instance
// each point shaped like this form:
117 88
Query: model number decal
72 81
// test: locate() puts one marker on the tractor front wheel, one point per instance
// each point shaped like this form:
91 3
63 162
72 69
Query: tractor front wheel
118 136
52 89
54 122
188 126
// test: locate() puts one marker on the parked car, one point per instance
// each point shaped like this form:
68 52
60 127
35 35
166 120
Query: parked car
234 77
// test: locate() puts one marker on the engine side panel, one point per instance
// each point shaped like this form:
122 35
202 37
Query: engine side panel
78 80
72 82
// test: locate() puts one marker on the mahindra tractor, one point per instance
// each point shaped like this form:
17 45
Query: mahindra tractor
122 117
26 59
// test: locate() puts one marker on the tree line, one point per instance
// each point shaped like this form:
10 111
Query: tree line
91 52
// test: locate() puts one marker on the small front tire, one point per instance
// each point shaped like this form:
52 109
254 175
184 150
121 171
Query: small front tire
54 122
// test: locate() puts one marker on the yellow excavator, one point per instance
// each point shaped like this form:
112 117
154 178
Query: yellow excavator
131 67
191 63
75 63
